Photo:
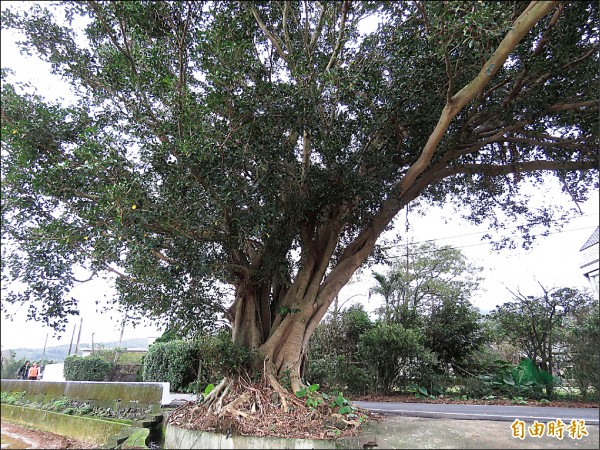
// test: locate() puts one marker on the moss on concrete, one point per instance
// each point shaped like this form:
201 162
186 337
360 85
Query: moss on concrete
137 438
116 396
88 429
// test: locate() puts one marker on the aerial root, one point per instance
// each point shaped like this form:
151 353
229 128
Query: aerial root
262 408
215 395
277 387
231 407
213 403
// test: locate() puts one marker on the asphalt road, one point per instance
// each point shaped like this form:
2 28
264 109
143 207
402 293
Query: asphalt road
483 412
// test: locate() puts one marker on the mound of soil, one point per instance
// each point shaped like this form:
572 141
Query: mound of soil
266 409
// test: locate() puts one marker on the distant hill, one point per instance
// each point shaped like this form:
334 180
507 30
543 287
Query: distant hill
59 353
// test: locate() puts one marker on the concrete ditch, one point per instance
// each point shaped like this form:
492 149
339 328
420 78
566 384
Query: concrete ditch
104 433
143 398
114 395
176 437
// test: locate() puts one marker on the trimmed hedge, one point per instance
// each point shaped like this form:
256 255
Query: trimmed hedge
191 365
89 368
173 361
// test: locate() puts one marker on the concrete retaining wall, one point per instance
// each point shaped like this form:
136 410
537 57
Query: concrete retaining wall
100 432
182 438
117 396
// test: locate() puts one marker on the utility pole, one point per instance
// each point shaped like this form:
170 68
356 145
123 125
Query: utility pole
122 330
121 340
72 336
78 336
44 351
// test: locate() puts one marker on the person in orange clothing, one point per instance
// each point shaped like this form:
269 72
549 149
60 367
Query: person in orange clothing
34 371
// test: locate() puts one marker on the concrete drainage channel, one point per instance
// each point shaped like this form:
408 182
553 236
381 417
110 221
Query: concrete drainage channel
140 400
106 433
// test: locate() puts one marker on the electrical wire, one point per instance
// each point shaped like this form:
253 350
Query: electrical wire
478 244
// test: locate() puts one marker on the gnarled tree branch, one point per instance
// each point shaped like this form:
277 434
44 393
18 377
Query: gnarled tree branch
521 27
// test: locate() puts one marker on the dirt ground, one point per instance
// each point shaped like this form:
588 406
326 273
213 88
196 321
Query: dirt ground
24 437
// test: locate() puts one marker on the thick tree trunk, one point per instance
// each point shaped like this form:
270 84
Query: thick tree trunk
278 323
283 350
247 317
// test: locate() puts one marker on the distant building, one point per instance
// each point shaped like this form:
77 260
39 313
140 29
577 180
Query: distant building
589 260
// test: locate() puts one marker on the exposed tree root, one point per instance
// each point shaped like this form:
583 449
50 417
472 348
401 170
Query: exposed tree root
265 409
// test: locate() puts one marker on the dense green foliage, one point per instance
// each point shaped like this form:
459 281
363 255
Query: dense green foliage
537 325
390 358
220 357
454 332
398 355
89 368
582 341
353 354
423 279
426 327
334 359
429 290
557 331
174 362
190 365
10 364
438 343
267 145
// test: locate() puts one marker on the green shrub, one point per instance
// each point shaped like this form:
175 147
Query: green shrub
473 387
89 368
583 356
218 357
174 362
11 365
320 371
190 365
339 374
398 355
333 358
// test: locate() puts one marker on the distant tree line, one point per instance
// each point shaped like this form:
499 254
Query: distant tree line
429 339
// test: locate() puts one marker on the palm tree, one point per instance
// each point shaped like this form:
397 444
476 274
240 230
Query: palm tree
388 287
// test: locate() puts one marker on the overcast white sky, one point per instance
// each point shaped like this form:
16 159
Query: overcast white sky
553 261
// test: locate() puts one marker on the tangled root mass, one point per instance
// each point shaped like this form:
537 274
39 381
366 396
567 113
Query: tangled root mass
242 407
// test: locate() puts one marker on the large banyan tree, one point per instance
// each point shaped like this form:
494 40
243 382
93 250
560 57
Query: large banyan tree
266 146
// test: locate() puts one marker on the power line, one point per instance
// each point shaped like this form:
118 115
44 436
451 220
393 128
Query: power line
506 228
480 243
